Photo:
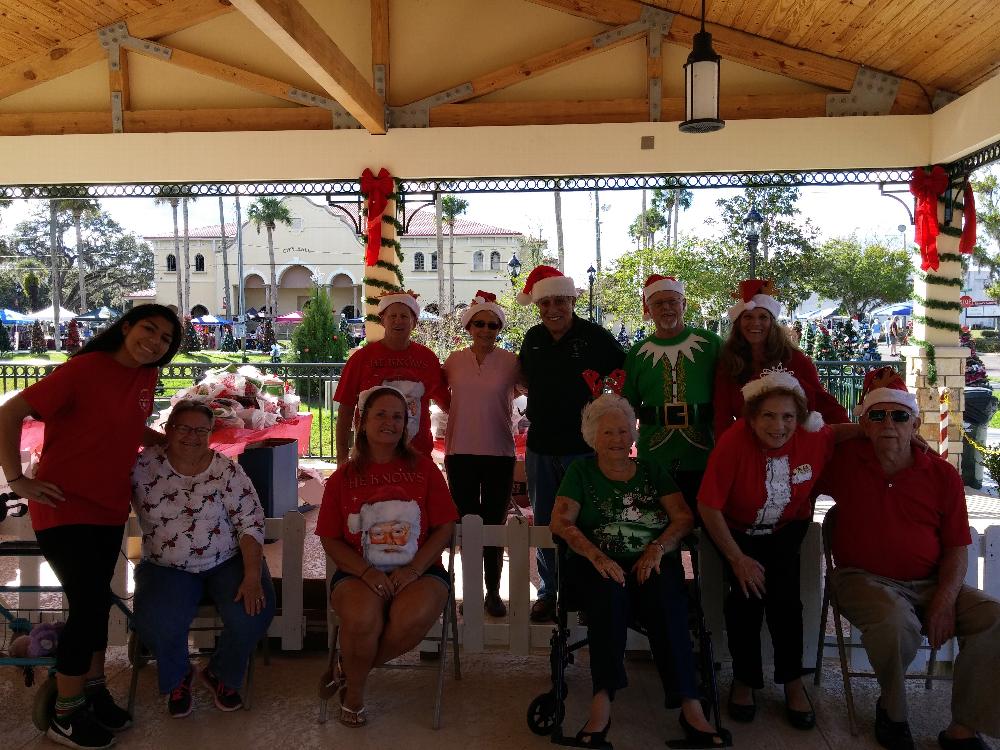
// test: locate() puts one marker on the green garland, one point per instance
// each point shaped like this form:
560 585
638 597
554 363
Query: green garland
929 355
950 231
394 268
935 323
927 279
937 304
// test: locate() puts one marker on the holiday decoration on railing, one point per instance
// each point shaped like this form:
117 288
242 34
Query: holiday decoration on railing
926 187
383 253
968 241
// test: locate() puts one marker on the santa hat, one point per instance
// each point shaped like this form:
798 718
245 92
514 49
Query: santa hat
657 283
366 394
779 377
883 386
755 293
483 302
408 298
546 281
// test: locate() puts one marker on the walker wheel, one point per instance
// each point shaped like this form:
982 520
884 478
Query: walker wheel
44 707
545 713
138 656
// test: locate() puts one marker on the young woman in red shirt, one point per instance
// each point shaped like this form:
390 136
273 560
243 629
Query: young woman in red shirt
95 408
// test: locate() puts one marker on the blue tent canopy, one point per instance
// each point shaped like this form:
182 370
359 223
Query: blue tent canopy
9 317
99 315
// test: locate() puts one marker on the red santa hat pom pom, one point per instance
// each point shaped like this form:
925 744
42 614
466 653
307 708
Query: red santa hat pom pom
885 386
546 281
814 422
755 293
483 301
658 283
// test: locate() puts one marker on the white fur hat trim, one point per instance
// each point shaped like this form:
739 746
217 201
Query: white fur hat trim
554 286
887 396
814 422
406 299
480 305
663 285
766 301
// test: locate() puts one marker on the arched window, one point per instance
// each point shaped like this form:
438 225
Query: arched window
495 261
171 263
418 261
434 261
199 262
477 260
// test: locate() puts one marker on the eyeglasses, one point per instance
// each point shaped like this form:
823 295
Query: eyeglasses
898 415
183 429
481 323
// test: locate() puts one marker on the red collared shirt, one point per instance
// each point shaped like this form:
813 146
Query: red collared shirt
897 526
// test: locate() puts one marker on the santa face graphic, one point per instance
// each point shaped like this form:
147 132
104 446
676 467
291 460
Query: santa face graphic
389 532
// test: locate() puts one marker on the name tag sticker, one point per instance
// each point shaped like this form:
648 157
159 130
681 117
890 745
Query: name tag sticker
802 474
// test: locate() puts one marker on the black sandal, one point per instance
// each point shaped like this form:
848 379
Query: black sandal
594 739
695 739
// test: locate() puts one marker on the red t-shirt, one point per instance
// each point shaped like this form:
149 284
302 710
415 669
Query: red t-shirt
95 413
752 486
727 394
415 371
897 526
350 498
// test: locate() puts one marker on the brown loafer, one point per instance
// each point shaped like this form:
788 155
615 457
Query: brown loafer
543 610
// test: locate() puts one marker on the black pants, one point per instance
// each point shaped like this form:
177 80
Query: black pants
660 605
481 486
689 482
83 557
782 605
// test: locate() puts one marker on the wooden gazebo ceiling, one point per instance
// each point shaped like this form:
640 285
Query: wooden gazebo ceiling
929 45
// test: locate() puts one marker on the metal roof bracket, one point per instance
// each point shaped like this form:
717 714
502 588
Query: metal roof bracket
873 93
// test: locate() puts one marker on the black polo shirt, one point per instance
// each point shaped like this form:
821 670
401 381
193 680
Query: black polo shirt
557 391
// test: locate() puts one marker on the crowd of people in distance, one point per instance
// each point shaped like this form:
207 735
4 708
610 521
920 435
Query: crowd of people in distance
627 452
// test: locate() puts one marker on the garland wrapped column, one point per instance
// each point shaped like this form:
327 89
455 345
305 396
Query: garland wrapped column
383 253
935 363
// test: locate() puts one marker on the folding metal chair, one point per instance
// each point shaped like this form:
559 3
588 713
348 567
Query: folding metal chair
830 602
449 619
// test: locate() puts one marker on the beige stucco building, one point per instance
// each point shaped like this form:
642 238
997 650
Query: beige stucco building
322 243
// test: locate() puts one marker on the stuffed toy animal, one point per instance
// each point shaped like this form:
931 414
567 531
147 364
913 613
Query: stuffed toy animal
44 639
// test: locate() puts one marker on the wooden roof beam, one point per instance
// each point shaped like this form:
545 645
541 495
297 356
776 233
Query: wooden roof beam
573 112
753 51
380 45
86 49
297 33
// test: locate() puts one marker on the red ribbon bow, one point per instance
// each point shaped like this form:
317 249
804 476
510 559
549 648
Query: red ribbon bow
376 190
968 241
927 186
613 381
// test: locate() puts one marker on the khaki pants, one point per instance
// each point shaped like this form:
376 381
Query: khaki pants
889 615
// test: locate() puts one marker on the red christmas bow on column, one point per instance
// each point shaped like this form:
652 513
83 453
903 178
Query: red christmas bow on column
968 240
927 186
376 190
613 381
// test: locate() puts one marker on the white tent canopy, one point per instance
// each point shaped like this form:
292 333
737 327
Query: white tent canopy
47 314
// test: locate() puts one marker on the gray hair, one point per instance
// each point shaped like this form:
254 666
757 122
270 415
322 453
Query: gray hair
598 408
188 404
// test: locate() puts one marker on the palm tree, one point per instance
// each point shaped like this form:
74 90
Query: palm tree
55 247
560 248
187 255
452 207
269 212
225 260
174 202
79 208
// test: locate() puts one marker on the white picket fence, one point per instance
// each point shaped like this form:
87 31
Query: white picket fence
519 636
289 625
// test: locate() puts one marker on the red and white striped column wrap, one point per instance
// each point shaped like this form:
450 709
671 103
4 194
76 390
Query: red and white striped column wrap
943 442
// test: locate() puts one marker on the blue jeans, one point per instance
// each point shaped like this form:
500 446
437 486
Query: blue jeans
167 600
544 474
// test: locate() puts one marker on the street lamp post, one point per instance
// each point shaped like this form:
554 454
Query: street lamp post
753 223
902 234
514 268
591 275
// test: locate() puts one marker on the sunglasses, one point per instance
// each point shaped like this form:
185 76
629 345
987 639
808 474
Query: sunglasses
898 415
481 323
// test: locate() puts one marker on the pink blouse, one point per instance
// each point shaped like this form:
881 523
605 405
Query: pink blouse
479 420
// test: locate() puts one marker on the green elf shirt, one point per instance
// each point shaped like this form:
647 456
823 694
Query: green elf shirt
676 374
620 518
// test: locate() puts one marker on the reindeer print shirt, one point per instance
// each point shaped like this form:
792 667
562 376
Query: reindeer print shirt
193 523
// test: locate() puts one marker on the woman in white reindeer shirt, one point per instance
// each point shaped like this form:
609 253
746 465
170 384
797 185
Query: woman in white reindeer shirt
386 517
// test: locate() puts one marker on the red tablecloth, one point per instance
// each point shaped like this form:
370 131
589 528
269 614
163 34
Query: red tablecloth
230 441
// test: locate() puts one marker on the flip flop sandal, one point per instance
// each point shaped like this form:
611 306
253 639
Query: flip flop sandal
348 716
331 680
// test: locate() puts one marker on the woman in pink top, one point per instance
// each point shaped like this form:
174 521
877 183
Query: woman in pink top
479 442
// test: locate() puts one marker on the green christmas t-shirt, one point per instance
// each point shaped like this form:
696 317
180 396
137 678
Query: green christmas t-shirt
678 370
620 518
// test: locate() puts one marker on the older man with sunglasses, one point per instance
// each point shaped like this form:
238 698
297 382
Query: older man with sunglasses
900 550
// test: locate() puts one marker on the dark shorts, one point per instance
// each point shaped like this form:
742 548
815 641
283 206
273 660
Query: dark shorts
435 571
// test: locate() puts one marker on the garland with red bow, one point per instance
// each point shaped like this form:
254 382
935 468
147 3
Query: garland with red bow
612 382
378 191
926 187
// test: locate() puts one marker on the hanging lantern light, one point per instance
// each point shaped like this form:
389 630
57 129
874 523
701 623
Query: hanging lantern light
701 85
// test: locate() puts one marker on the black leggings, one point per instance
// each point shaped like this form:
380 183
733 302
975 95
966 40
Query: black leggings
83 557
782 605
481 486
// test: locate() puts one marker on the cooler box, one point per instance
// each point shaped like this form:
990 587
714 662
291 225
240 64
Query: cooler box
272 466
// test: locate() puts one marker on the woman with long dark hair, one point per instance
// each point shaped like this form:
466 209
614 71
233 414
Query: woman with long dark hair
756 342
95 408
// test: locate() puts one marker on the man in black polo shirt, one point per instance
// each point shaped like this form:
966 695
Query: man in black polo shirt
554 356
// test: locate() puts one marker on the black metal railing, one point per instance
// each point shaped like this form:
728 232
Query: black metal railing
845 380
